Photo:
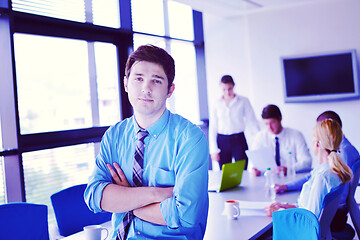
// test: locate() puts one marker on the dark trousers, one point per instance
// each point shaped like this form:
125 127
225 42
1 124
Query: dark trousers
232 146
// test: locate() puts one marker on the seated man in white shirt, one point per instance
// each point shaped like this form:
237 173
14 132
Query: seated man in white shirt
283 141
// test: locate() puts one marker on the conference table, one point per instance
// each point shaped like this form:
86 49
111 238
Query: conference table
251 223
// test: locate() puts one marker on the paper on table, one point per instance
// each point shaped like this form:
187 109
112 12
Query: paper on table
261 158
252 208
253 205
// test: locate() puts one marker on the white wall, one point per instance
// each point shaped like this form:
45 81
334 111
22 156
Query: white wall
249 48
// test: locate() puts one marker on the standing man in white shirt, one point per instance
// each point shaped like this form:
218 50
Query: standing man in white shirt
283 141
230 115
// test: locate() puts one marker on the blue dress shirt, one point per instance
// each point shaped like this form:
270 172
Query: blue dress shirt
176 154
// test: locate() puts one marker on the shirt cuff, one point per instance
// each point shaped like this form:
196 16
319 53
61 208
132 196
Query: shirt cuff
169 212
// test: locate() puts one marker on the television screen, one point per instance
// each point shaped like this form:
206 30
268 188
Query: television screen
324 77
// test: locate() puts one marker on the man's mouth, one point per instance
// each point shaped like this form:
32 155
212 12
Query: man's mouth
145 99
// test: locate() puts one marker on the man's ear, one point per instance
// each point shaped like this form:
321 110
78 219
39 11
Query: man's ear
171 90
125 83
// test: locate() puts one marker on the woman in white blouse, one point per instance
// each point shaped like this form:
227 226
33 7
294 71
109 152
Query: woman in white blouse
330 173
229 118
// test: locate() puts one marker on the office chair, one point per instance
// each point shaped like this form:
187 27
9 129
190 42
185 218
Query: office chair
24 221
72 213
351 202
295 224
330 205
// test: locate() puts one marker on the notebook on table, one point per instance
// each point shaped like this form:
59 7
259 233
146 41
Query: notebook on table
231 176
261 158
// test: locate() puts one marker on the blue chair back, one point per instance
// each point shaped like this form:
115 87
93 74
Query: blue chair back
351 202
295 224
330 205
72 213
20 221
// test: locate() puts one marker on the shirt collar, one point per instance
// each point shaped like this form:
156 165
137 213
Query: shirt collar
320 168
156 128
280 135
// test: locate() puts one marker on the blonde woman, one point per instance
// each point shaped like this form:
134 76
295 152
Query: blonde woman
330 173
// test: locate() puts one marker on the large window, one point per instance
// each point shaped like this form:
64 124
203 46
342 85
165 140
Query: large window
54 84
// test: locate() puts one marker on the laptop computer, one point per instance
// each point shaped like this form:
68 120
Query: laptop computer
231 176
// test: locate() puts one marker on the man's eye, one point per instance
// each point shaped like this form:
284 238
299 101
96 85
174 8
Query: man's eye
138 79
157 82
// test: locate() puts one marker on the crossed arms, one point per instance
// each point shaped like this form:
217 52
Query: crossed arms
144 201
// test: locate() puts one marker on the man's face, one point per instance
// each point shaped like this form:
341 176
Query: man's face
147 88
273 125
227 90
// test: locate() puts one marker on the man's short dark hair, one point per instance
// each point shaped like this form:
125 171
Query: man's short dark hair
329 115
226 79
151 53
271 111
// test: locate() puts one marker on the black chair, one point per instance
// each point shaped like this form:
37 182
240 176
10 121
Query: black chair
72 213
329 207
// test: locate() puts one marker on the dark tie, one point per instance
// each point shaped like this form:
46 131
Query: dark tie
137 179
277 151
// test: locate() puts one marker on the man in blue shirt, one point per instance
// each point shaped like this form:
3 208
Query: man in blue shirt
173 199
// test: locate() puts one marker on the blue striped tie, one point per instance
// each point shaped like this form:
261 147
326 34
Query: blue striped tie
137 179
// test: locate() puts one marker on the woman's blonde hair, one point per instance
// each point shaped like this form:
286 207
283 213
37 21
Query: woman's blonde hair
329 135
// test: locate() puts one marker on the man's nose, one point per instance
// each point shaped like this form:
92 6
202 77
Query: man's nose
146 87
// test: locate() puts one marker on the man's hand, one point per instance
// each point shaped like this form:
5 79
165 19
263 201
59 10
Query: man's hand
215 157
280 188
255 172
121 197
118 176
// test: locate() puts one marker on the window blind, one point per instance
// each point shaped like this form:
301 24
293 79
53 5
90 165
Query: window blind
99 12
49 171
73 10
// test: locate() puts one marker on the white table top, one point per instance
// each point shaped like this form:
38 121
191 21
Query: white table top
245 226
218 226
81 235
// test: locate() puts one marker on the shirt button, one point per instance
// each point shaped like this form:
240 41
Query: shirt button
155 135
138 233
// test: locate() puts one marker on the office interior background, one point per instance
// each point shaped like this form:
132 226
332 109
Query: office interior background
62 67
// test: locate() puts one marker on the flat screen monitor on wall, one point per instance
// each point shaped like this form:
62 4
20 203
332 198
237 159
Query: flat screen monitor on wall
321 77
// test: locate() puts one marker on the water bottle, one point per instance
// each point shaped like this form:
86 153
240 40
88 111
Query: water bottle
269 185
291 166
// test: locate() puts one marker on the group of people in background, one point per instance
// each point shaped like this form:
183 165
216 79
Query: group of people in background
232 114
